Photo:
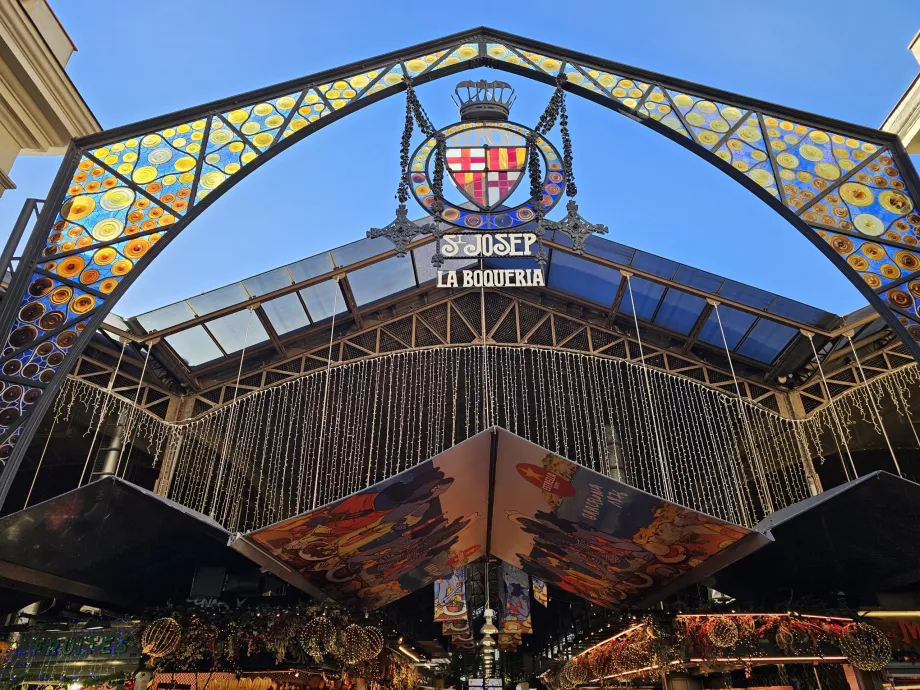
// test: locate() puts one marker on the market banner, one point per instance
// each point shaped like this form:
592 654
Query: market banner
540 595
596 537
382 543
555 520
515 598
450 597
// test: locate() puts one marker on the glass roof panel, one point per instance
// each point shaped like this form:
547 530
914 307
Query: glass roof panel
783 306
311 267
362 249
218 299
679 311
424 269
607 249
766 340
286 313
664 268
164 317
582 278
646 296
695 278
735 323
116 321
381 280
267 282
230 331
751 296
321 298
194 346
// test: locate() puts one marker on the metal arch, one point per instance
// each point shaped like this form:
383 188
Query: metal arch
346 89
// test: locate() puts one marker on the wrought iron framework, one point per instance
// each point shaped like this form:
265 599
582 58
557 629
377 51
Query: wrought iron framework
122 195
512 320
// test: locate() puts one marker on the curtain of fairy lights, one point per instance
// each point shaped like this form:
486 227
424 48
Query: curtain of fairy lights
297 446
287 449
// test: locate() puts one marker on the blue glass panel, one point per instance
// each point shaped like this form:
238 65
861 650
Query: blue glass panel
606 249
751 296
311 267
194 346
321 298
735 323
286 313
646 295
799 312
362 249
654 264
230 331
766 340
679 311
582 278
701 280
382 280
165 317
218 299
267 282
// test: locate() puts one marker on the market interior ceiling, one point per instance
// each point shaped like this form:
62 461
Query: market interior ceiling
199 340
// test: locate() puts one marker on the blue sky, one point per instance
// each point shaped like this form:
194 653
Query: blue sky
841 58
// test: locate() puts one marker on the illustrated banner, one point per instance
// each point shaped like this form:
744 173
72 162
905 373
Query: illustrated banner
382 543
592 535
515 597
557 521
450 597
540 595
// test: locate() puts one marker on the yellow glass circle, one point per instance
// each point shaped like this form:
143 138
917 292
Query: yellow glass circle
262 109
238 116
78 208
857 194
263 139
185 163
144 174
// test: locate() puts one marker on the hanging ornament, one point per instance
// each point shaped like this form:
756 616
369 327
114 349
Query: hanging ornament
866 647
723 632
354 645
375 640
401 231
573 225
161 637
319 637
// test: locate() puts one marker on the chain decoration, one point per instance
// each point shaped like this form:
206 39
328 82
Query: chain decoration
401 231
574 226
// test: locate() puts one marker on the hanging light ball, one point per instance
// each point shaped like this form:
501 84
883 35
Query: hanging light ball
319 636
866 647
161 637
375 640
723 632
354 645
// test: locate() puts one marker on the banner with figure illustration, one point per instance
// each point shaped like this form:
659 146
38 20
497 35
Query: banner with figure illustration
450 597
596 537
393 538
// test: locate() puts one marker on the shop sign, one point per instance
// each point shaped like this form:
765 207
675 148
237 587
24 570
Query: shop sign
57 647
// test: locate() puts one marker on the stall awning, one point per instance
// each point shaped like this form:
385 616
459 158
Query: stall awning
860 537
498 493
111 542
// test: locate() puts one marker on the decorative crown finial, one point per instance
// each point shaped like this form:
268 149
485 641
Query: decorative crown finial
483 100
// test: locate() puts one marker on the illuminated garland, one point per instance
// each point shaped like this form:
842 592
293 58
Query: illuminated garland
720 642
299 634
